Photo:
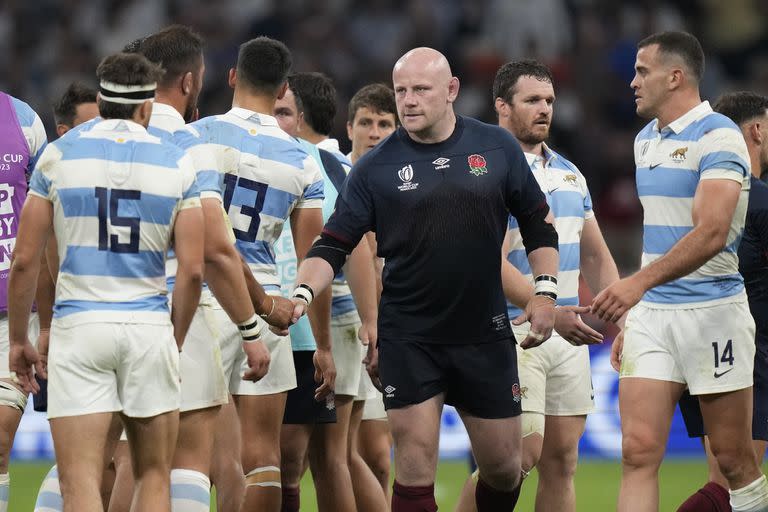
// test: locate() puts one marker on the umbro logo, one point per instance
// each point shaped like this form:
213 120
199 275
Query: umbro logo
441 163
390 391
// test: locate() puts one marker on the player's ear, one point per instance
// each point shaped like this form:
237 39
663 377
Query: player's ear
232 80
349 130
282 90
755 133
61 129
501 107
186 82
453 89
142 113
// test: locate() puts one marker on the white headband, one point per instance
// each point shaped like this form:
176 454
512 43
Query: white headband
126 94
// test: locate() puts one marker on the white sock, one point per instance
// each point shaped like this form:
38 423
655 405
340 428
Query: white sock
5 487
751 498
190 491
49 496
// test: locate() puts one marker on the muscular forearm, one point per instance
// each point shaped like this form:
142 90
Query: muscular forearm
320 319
22 284
224 274
599 272
259 297
316 273
186 296
517 289
44 295
544 260
688 254
362 281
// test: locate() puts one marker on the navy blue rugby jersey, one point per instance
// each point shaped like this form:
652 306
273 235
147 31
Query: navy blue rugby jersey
440 214
753 255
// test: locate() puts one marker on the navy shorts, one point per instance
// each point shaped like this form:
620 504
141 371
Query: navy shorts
479 379
689 405
301 408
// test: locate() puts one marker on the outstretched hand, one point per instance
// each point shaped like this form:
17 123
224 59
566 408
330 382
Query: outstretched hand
540 312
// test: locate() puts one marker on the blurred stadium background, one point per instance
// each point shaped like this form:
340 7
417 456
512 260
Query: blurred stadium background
590 45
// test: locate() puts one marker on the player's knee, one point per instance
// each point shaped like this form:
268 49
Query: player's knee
731 461
503 475
641 450
560 465
381 465
264 476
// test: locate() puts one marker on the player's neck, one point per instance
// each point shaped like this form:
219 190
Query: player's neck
754 160
312 136
676 107
254 103
534 149
171 100
354 157
440 131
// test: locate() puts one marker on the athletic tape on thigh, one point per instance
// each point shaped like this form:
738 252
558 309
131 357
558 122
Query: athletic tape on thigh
10 396
266 476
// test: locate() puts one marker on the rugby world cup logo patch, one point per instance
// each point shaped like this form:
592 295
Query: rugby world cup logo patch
406 173
477 165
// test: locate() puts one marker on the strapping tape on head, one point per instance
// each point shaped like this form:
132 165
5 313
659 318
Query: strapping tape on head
126 94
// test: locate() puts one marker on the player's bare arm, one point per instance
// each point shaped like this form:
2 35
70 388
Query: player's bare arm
34 226
306 225
188 244
223 274
361 277
44 298
713 207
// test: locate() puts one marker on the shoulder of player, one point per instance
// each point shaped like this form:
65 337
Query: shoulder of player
647 132
25 113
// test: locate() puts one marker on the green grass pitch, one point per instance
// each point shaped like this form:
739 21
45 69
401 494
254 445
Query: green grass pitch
597 484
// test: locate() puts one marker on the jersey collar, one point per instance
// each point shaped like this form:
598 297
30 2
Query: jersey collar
682 122
256 117
122 125
165 110
543 161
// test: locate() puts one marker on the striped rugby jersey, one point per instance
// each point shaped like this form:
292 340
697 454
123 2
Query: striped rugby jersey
568 197
33 130
343 302
263 175
116 191
700 145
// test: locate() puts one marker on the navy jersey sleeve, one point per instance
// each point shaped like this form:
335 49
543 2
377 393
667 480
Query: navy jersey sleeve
354 213
758 220
526 201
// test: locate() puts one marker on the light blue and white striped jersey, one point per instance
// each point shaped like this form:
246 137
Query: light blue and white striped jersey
700 145
116 191
263 175
32 128
167 123
568 197
343 301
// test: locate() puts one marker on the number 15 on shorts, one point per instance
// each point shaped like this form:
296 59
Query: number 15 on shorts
723 353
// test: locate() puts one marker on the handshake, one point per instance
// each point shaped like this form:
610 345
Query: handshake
280 313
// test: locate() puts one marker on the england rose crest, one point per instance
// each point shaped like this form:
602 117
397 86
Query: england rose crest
477 165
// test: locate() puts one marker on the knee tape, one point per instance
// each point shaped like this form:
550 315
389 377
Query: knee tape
532 423
10 396
266 476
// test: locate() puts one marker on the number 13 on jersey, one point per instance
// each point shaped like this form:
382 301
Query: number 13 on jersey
250 197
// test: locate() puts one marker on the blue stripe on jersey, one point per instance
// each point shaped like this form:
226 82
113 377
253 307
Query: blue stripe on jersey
39 184
209 181
693 132
266 147
258 251
342 305
660 239
276 202
90 261
24 113
315 191
569 258
513 311
157 303
107 150
81 202
563 203
666 182
682 291
724 160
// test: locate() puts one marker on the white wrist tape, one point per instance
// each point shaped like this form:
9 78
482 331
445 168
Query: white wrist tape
250 329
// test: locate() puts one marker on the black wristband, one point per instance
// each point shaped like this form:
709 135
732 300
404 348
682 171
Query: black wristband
308 288
548 295
545 277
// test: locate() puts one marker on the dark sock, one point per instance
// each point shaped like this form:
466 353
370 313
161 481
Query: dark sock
291 499
710 498
489 499
413 499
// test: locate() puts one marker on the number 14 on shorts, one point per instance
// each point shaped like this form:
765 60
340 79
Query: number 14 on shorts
723 357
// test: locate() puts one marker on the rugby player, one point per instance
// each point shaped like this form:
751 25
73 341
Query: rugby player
115 344
687 302
443 337
750 112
